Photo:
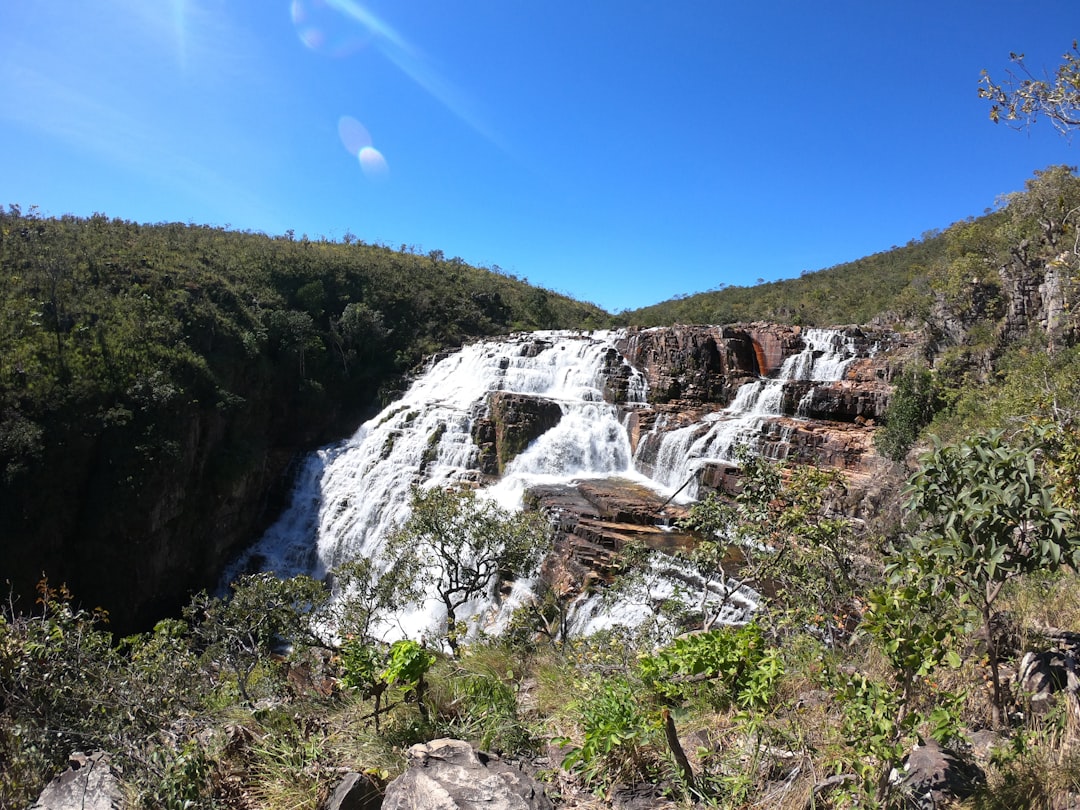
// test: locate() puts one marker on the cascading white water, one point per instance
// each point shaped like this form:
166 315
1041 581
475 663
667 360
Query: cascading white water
349 496
825 357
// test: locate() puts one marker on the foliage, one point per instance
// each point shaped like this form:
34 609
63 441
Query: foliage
790 544
366 596
987 515
476 698
853 292
734 658
916 397
66 685
185 778
620 741
407 663
462 546
1038 767
263 613
1025 98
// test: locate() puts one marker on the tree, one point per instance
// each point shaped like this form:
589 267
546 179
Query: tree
916 398
779 527
463 546
987 515
1024 98
263 612
1049 203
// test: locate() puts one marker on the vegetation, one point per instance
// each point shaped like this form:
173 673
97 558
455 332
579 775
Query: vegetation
155 380
894 281
245 699
1024 98
988 516
464 547
119 341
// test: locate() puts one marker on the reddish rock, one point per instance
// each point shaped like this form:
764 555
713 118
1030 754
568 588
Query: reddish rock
513 422
596 520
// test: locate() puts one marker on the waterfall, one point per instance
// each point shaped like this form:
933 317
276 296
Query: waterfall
682 452
349 496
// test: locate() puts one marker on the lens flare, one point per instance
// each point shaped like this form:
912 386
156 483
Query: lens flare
354 135
321 28
357 142
372 163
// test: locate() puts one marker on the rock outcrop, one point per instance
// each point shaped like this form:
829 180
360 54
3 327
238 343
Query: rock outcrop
451 775
693 371
89 783
695 364
595 521
694 374
512 423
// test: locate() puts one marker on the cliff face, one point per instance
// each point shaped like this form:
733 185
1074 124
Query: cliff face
694 373
696 370
136 517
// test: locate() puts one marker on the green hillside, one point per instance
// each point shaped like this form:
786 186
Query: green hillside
853 292
155 380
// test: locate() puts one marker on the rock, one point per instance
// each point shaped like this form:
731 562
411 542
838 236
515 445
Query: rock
513 422
696 363
933 776
1042 674
355 792
695 371
640 797
451 775
89 783
595 520
983 742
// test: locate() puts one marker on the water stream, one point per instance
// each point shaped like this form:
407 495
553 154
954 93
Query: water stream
826 355
348 496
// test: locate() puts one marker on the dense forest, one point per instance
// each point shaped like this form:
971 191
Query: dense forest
155 380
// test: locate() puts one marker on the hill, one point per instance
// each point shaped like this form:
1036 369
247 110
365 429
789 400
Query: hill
155 381
853 292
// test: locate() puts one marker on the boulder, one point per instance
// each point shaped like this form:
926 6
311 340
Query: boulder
933 777
355 792
89 783
1042 674
452 775
513 422
693 363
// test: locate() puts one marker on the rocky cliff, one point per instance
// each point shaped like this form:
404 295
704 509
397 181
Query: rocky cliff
694 374
137 525
696 370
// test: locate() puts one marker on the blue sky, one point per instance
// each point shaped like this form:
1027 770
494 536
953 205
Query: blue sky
622 152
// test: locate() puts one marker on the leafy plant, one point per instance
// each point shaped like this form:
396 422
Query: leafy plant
917 396
263 612
620 741
462 546
786 540
987 516
1025 98
733 658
